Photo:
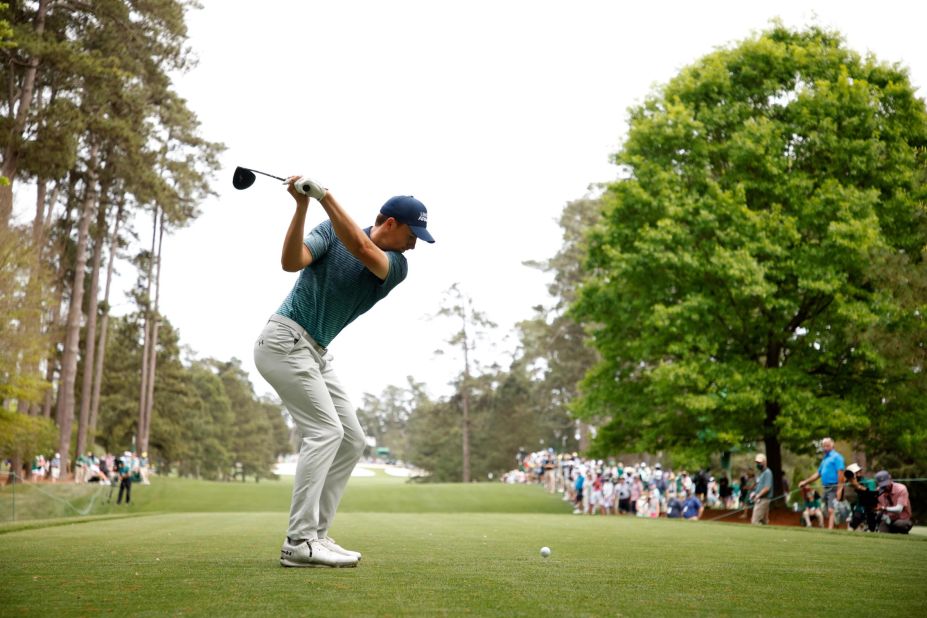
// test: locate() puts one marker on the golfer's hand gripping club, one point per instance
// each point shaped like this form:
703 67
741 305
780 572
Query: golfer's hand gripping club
307 186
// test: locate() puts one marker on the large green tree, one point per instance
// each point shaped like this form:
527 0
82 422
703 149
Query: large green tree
735 281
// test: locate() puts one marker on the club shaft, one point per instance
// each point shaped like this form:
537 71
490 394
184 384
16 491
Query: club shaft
264 174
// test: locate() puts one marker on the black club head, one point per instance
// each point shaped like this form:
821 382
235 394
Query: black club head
242 178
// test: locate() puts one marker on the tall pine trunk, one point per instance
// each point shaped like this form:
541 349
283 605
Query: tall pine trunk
49 402
153 359
66 397
34 286
54 320
141 436
91 332
104 325
56 323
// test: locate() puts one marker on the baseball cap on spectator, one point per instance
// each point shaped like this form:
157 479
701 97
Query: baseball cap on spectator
883 479
854 468
760 458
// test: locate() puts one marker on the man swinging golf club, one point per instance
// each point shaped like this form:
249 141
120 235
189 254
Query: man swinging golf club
343 271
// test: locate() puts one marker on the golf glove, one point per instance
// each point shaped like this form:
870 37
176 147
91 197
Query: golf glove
307 186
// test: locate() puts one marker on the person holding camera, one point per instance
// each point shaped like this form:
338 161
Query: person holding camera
894 506
863 496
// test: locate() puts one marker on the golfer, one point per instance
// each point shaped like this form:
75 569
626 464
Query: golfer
343 271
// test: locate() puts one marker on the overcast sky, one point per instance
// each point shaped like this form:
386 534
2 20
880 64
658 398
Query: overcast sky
494 113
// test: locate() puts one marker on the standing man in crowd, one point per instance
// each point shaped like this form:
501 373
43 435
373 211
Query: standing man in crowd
762 492
343 272
125 477
894 505
830 472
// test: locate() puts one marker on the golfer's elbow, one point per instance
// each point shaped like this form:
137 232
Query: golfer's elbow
295 261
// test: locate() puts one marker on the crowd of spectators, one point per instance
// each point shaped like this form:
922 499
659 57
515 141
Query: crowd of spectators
847 495
613 488
90 468
121 470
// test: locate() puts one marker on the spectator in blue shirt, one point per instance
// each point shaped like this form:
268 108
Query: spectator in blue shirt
831 474
578 486
692 508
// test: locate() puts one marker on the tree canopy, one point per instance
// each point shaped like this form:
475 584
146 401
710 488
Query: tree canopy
737 286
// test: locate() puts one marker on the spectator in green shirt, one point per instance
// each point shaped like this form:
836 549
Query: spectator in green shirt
811 506
862 494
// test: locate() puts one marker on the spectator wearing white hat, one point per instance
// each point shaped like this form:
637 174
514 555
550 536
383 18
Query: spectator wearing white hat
863 496
762 491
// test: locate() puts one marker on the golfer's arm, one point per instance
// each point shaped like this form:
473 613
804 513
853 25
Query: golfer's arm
354 238
296 255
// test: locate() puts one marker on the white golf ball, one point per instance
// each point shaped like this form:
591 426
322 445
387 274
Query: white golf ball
545 552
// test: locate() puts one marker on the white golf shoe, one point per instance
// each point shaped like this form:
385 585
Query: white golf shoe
330 543
313 553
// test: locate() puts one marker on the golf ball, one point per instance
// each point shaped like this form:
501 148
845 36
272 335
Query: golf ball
545 551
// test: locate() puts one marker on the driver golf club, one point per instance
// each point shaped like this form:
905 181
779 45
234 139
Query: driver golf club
244 177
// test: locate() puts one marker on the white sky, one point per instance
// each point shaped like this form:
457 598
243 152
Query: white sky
494 113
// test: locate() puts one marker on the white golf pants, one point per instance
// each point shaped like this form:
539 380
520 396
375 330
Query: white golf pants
331 438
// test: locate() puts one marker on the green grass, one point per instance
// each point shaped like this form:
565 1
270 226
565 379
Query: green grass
442 550
365 494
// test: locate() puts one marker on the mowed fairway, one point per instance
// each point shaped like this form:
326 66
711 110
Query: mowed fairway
442 550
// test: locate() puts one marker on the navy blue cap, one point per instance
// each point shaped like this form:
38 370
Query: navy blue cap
406 209
883 479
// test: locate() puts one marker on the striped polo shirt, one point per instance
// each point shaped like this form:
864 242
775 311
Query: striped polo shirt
336 287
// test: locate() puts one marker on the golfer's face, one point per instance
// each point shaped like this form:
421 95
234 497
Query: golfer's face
402 238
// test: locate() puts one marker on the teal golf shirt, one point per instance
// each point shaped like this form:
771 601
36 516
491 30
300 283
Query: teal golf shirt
336 287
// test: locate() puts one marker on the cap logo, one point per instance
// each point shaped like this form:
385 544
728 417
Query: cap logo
423 216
